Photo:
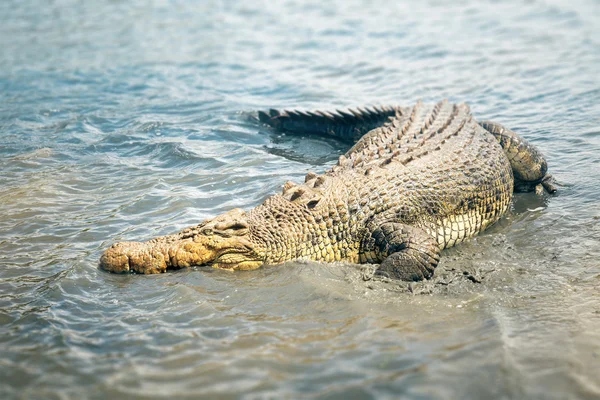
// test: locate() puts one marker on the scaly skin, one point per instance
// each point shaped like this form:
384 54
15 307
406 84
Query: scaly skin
425 180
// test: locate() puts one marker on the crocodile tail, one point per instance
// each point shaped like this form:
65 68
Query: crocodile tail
347 125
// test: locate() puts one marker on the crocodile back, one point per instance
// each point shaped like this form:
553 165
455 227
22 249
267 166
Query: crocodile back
433 167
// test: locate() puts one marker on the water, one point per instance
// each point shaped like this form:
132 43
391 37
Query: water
123 121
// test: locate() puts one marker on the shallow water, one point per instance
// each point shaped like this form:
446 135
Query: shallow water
122 121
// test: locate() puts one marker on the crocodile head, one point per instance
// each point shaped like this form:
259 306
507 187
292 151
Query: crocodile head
224 242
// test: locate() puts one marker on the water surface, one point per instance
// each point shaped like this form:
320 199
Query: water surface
124 120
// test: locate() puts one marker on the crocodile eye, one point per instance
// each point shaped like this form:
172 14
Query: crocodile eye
232 226
207 232
237 226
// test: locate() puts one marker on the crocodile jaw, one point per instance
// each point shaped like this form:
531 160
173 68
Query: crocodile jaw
158 255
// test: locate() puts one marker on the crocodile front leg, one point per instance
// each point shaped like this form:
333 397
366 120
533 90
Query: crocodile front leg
408 253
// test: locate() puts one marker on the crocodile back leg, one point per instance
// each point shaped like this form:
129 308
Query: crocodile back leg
347 125
528 164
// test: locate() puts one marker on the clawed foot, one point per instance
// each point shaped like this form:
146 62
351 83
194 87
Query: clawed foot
547 184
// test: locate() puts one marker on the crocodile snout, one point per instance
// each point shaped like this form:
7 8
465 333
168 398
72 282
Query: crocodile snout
133 257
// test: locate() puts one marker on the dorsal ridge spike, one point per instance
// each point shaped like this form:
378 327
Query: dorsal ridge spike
357 113
407 160
357 160
310 176
346 114
288 185
327 115
386 161
342 161
319 181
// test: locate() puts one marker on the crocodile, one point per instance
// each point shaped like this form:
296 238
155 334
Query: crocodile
416 180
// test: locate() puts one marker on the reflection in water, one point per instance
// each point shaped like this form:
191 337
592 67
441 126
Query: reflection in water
122 121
